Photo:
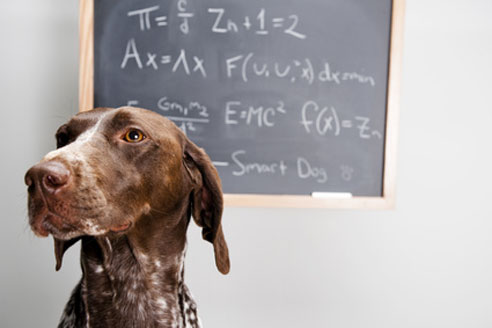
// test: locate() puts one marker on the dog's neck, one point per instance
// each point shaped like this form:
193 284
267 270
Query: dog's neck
136 281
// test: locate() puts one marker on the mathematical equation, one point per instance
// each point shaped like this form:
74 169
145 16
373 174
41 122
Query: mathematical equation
261 23
323 121
245 67
185 115
326 120
236 112
285 97
314 119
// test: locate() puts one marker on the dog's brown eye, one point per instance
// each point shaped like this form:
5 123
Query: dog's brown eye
134 135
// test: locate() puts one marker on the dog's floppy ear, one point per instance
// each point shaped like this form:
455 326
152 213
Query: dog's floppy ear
206 201
60 247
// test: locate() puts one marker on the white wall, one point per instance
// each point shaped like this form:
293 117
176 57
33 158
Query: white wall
426 264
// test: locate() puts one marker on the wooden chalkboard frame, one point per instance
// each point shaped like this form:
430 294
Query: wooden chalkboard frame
387 201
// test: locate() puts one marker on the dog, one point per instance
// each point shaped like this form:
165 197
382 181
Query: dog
125 182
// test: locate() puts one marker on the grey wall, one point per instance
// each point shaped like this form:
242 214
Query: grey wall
426 264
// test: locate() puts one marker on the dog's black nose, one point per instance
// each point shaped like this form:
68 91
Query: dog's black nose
50 176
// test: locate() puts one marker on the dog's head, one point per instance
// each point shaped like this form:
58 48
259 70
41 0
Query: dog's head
114 166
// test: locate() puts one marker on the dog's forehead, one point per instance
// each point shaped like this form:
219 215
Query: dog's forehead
115 119
83 121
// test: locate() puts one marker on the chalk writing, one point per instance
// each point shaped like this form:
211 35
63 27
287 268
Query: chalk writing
184 16
244 168
304 168
144 16
185 115
236 112
262 24
326 120
188 64
192 108
285 97
247 66
148 17
347 172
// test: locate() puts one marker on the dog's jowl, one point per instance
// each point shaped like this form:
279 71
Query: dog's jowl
125 183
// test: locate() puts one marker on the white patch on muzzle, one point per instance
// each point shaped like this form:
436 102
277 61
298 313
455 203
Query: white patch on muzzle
77 155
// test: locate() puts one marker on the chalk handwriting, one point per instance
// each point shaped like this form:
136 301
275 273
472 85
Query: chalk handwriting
188 64
247 66
306 170
144 16
186 115
242 165
132 102
347 172
326 120
261 116
244 168
192 108
184 16
131 53
262 24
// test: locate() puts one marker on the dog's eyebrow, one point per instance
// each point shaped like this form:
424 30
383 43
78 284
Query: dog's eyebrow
77 126
122 120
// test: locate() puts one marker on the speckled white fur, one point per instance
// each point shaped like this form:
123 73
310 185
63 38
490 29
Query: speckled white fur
75 150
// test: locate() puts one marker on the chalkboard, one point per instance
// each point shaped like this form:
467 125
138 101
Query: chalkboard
287 97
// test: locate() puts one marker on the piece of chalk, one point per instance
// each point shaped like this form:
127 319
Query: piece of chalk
320 194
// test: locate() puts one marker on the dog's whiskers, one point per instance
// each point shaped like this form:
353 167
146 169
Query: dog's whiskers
157 211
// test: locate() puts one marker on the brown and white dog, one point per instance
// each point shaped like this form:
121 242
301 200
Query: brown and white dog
125 182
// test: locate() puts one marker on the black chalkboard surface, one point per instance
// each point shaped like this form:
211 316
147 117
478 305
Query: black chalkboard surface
287 97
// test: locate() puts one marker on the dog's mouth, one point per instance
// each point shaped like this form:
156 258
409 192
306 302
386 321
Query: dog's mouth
45 221
52 223
65 219
121 228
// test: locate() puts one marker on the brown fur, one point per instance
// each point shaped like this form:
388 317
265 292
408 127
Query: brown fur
130 204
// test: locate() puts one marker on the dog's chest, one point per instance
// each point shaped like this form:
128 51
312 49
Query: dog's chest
124 294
